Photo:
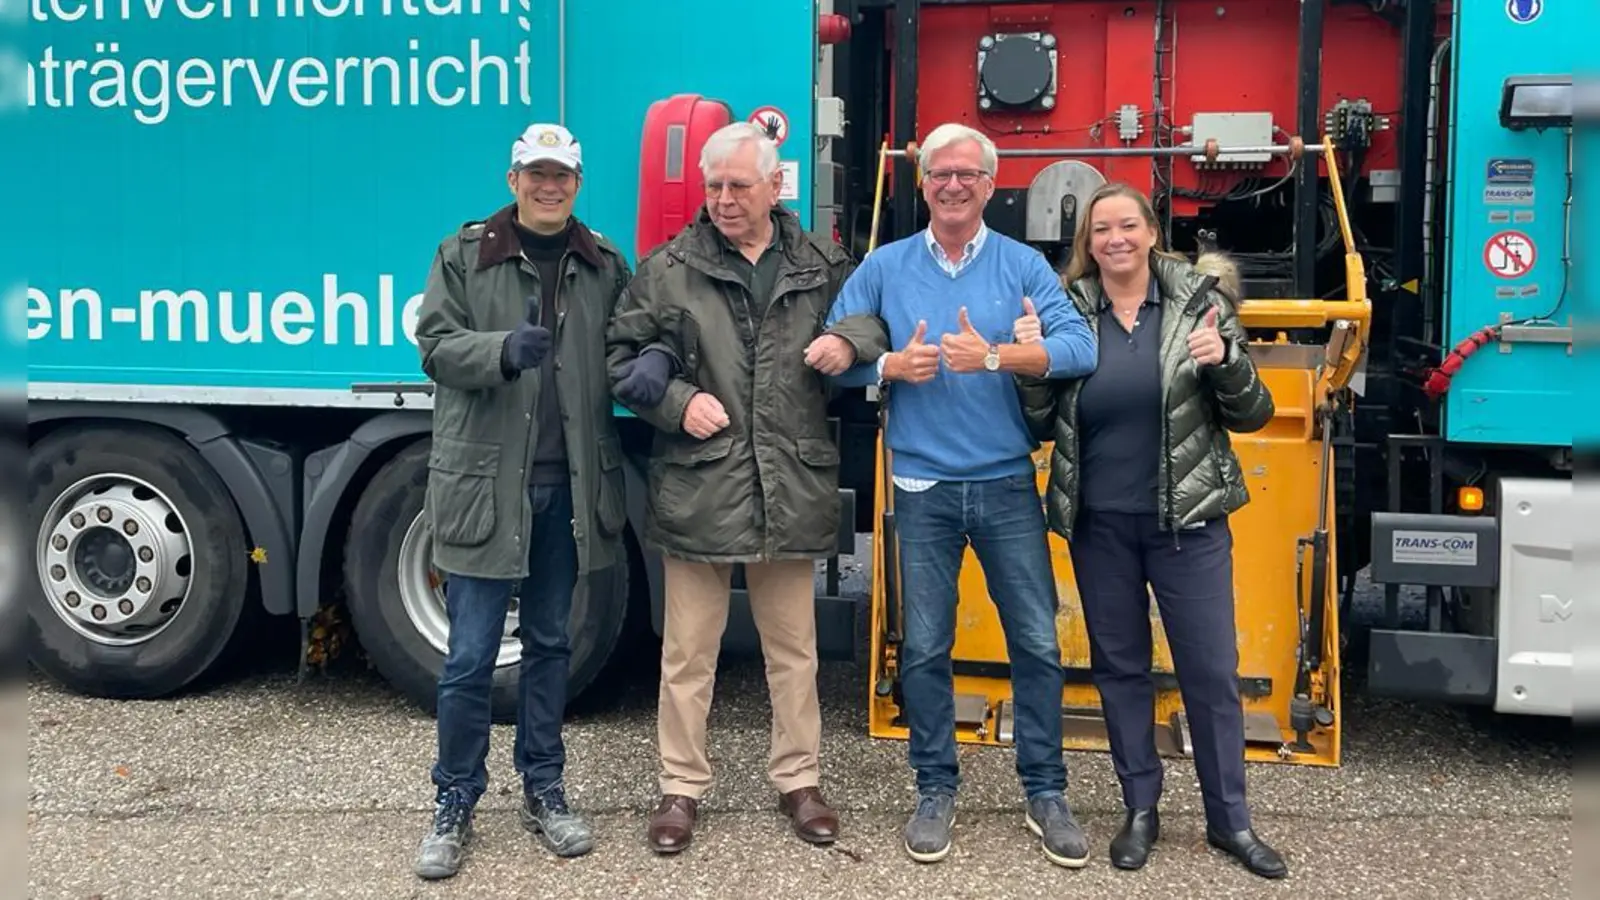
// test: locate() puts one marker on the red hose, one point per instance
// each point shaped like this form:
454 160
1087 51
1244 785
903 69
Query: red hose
1438 380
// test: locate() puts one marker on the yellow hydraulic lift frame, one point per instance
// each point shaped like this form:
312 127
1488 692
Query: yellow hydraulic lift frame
1289 676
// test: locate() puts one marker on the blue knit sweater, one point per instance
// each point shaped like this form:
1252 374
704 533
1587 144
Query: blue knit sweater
962 426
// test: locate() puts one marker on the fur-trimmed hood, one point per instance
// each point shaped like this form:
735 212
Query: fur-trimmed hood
1217 263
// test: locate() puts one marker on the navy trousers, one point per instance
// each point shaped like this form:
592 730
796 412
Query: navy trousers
477 609
1115 556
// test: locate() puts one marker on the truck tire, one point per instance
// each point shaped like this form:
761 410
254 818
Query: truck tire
396 597
141 558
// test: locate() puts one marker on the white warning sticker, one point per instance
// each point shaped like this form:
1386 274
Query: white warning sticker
790 189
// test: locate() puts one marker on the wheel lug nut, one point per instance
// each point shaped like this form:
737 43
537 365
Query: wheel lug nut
125 607
130 528
59 542
146 554
103 514
99 612
77 520
58 573
73 599
143 584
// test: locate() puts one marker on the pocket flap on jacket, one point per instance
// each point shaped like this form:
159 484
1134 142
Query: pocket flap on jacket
818 452
709 450
462 457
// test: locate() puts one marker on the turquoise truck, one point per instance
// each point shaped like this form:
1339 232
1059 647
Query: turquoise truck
232 221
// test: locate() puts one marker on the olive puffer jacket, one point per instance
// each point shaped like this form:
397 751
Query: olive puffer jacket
1199 474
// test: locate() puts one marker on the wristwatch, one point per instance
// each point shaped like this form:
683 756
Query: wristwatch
992 360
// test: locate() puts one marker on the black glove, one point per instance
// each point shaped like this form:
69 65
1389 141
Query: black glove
642 381
527 344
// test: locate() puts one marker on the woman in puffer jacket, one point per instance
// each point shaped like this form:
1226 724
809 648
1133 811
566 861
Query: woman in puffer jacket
1142 481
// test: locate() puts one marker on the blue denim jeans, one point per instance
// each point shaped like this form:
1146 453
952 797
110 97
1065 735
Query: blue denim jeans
1004 521
477 608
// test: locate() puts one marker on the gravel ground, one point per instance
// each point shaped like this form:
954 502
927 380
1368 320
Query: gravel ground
265 787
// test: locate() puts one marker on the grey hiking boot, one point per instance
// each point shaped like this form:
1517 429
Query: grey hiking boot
557 827
1061 837
928 832
441 851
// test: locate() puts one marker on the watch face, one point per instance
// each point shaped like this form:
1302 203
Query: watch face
992 361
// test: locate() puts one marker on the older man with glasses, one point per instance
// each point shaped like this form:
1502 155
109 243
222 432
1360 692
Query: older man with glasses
717 344
963 473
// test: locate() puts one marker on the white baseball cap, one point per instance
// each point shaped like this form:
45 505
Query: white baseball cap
552 142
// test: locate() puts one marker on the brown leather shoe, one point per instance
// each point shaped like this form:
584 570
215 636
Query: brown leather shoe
672 824
814 821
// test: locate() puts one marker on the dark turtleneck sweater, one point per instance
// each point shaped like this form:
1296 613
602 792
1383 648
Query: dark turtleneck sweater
550 448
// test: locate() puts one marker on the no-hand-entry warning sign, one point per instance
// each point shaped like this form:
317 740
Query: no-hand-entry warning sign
1509 254
773 121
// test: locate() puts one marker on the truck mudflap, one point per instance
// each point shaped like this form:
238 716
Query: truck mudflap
1517 657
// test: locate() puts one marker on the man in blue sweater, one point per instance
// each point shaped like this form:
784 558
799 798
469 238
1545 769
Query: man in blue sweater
963 471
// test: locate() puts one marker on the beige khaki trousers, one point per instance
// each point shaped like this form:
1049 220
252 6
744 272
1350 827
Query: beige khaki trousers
782 602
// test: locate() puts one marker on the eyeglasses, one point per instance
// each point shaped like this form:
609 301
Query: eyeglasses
966 177
736 189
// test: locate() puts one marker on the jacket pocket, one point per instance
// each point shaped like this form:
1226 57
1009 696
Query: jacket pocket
818 453
689 453
461 490
683 472
611 506
689 340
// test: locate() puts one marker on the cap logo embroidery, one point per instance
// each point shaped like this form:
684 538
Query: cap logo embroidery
549 138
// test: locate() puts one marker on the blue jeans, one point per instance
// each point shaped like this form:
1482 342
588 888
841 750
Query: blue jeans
477 608
1004 521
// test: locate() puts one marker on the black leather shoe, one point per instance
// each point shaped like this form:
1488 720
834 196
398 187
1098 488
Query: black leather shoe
1250 850
1131 847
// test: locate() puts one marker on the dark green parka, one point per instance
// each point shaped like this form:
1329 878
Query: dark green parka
484 423
766 486
1199 476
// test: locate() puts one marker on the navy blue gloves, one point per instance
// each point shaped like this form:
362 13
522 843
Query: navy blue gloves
642 381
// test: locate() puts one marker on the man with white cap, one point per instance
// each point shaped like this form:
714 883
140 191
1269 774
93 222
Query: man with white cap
525 483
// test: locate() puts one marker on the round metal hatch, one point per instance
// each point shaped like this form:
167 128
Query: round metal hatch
1016 71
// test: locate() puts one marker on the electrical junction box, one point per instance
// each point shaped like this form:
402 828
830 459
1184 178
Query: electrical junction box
1232 129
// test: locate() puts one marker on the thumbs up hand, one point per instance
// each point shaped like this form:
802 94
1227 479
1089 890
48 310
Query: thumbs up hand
528 343
916 362
1205 342
965 350
1028 329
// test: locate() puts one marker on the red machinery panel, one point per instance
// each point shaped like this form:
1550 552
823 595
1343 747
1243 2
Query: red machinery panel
671 189
1204 56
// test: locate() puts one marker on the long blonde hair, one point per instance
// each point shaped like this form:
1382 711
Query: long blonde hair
1082 263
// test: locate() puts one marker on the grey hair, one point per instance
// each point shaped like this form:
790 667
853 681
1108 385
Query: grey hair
952 133
725 141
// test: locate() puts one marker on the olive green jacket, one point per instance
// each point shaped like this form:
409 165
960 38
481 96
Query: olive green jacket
484 423
766 486
1199 474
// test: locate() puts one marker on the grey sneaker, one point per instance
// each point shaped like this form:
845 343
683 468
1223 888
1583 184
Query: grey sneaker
557 827
441 851
928 832
1062 838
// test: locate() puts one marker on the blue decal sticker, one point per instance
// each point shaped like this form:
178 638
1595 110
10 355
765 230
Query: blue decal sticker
1524 11
1510 171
